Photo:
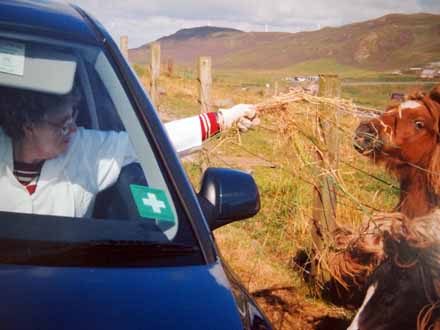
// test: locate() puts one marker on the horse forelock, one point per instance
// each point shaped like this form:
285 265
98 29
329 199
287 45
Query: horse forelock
410 104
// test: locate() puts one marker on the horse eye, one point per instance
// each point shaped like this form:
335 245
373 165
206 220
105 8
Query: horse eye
419 124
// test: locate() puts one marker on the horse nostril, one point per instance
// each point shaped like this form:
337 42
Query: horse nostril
365 138
359 144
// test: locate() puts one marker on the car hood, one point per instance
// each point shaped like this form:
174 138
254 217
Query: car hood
190 297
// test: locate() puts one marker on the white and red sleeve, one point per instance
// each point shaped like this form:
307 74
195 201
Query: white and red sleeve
188 134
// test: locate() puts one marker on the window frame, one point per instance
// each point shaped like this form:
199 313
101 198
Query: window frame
170 183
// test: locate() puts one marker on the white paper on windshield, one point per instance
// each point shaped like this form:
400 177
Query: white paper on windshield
12 57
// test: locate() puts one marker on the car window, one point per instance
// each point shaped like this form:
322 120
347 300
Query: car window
75 161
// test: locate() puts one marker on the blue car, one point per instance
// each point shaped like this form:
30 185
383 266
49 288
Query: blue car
80 250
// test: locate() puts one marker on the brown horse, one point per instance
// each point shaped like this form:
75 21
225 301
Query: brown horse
395 261
406 138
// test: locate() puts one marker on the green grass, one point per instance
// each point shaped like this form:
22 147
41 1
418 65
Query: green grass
378 95
246 77
328 66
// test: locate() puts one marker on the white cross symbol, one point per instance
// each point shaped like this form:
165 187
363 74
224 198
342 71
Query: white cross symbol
155 204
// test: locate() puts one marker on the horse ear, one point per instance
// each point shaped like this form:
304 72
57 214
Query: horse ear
392 104
435 94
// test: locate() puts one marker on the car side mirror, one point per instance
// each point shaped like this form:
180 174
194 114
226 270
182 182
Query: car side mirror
228 195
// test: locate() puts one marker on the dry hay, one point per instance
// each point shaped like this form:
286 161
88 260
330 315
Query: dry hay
301 123
299 112
282 101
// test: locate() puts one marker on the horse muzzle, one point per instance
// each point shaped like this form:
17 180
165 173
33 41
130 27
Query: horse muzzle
366 139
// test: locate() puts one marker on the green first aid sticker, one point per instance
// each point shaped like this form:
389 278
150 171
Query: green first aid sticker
152 203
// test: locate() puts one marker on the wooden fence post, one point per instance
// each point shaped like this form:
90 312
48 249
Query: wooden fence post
170 67
324 210
123 45
205 83
155 72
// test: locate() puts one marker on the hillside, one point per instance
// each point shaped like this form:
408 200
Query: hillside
199 32
390 42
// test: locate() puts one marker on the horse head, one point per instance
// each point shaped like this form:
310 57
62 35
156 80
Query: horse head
406 138
406 132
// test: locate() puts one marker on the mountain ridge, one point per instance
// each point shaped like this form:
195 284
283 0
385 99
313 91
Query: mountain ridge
389 42
201 31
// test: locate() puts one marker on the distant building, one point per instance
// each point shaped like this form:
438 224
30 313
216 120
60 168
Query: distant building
396 72
434 64
298 79
312 78
306 78
397 96
428 74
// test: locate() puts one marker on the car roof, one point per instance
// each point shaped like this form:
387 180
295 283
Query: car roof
47 18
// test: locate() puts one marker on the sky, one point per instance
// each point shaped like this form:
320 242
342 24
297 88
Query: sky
144 21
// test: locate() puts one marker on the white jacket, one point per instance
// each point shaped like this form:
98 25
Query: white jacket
69 183
185 134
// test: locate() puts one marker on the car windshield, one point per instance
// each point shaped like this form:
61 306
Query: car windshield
79 181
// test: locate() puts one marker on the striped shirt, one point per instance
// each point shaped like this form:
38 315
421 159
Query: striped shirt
28 174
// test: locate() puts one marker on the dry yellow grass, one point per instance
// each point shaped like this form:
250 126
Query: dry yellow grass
277 291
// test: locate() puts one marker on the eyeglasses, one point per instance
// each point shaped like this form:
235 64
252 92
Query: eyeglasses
65 127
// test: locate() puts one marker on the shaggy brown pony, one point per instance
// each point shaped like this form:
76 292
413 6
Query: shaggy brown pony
396 260
406 138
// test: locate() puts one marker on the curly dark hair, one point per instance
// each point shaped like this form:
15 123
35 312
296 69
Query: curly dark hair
19 108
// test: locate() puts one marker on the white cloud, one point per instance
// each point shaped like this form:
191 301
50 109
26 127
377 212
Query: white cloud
144 21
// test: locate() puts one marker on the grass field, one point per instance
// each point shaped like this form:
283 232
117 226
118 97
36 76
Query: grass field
378 95
279 154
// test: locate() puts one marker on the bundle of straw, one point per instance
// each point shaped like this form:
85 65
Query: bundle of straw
278 103
281 102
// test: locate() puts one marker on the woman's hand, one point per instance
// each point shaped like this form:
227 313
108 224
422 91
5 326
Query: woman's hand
244 115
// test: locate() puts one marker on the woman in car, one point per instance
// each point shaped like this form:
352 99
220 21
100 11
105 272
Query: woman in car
48 165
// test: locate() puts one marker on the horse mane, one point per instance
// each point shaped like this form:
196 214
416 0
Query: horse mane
434 171
357 253
390 237
433 103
